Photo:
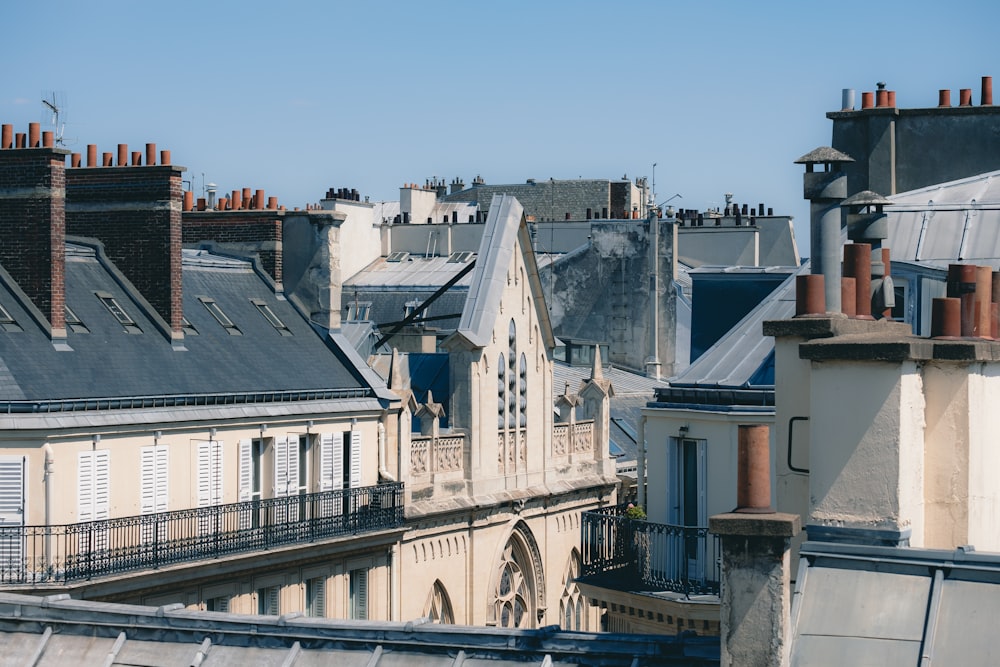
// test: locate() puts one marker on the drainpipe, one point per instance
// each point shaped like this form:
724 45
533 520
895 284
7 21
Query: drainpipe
640 472
382 471
653 360
50 460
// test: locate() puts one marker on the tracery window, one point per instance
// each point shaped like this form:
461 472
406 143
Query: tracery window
512 377
511 593
438 608
523 392
572 605
501 391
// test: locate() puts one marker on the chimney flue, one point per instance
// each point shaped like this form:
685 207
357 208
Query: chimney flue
33 135
6 136
122 155
987 95
944 98
867 100
151 155
965 97
753 470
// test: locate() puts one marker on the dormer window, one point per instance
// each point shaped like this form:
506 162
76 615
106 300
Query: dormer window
220 316
269 315
359 311
119 313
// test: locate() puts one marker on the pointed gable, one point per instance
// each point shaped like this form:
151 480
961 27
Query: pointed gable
505 234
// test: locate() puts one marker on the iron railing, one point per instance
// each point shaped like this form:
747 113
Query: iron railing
82 551
655 556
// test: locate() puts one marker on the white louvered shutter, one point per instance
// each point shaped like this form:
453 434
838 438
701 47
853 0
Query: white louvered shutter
355 459
246 471
11 512
210 473
280 466
316 592
337 478
154 487
94 490
326 446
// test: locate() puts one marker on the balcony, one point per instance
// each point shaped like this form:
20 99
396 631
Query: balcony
82 551
650 556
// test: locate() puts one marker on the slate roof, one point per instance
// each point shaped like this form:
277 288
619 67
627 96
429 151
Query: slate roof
57 632
109 362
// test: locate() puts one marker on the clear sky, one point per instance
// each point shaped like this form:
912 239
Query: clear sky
297 97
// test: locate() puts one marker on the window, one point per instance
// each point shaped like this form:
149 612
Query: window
572 615
316 597
11 513
398 256
460 257
189 329
154 489
511 595
73 323
269 315
220 316
501 391
289 474
220 603
358 602
119 313
512 377
93 496
267 601
438 608
359 311
209 481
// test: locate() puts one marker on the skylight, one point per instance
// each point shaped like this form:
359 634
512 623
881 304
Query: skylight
269 315
119 313
220 316
7 322
74 323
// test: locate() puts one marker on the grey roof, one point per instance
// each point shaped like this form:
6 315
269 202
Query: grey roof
57 631
824 154
895 606
414 272
736 357
958 221
110 362
503 235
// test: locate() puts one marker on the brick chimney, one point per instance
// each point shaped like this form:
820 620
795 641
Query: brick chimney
256 231
32 216
135 211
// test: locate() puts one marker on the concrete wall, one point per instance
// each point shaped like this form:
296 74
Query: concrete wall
719 431
601 292
890 146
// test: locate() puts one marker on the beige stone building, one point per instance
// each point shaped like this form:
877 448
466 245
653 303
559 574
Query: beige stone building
178 428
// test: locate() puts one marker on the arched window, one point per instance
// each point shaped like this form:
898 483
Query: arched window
522 378
512 597
512 377
438 607
572 602
501 391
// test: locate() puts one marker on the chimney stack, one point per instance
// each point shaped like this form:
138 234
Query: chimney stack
825 190
32 215
119 205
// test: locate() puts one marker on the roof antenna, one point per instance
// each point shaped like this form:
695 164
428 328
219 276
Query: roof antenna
53 115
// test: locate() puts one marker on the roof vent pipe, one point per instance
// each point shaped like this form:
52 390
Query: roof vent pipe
847 99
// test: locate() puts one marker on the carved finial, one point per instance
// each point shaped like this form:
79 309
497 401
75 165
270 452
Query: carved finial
597 372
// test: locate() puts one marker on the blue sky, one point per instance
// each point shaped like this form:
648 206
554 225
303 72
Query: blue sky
298 97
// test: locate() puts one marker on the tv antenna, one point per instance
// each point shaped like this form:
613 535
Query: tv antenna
54 115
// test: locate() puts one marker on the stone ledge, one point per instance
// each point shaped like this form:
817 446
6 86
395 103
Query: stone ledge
876 347
776 524
833 324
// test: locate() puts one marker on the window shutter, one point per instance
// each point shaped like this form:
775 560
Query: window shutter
293 465
359 594
338 461
209 473
154 487
355 459
316 591
246 471
267 602
11 512
11 490
326 448
280 466
94 480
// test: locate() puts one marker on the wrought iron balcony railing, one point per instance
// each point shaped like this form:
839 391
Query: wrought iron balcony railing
654 556
82 551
